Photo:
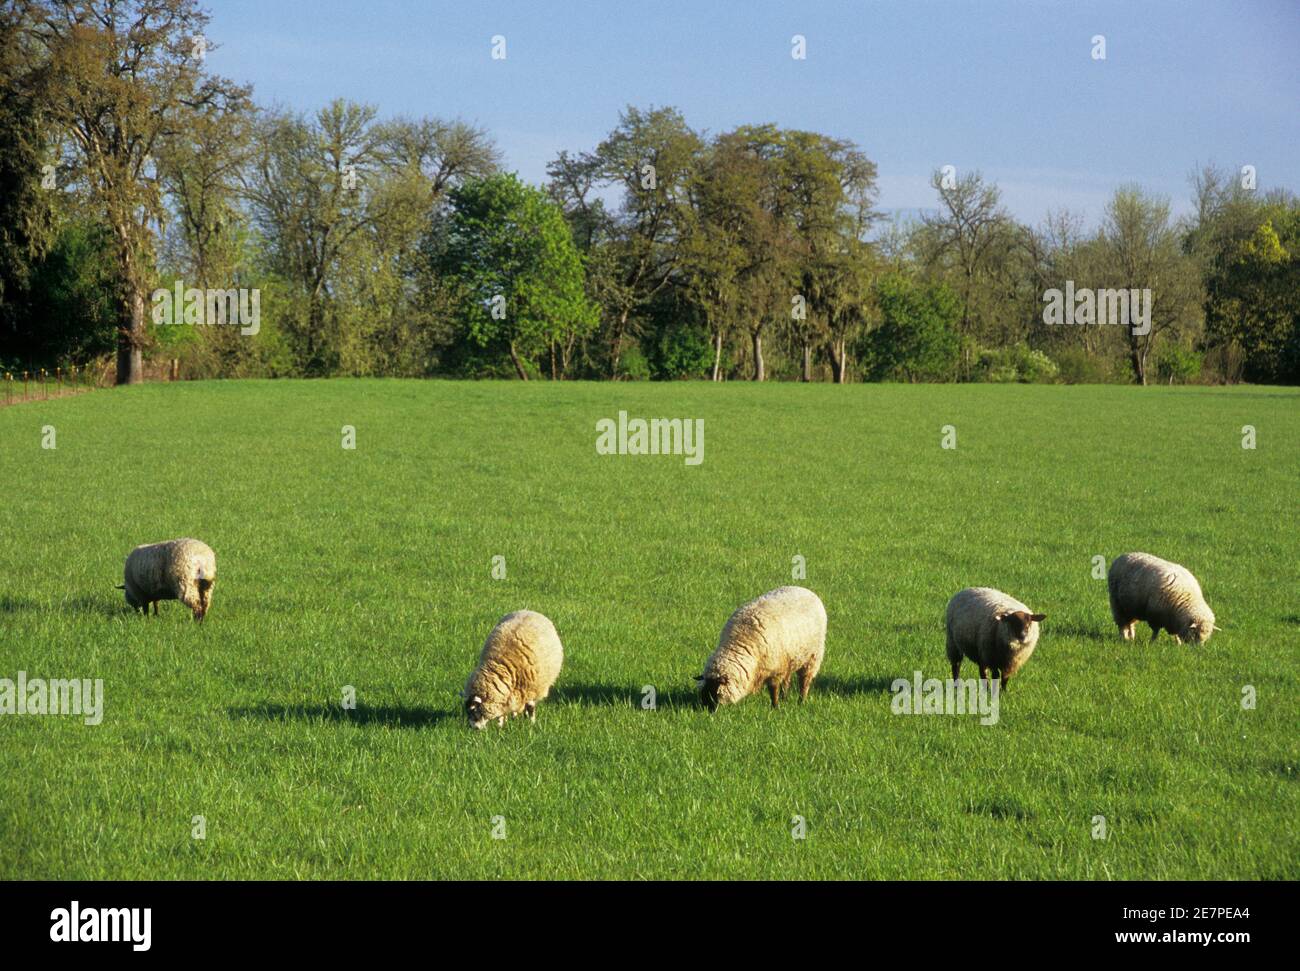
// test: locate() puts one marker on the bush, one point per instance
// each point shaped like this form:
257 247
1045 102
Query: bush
1018 363
632 364
683 352
1077 366
1177 365
917 338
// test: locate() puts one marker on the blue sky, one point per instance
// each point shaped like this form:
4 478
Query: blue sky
1009 88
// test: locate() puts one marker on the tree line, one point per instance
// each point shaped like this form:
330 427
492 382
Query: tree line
399 246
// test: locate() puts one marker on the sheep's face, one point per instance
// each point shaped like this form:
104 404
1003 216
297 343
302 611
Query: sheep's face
203 598
1199 630
716 690
1021 628
479 712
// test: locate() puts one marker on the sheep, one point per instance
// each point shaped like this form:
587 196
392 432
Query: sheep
766 641
179 569
520 661
994 630
1164 594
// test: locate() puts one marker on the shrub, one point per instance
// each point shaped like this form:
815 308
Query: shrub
1005 365
1177 365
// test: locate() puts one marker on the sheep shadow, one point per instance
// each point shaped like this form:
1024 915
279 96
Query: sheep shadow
390 716
619 696
10 604
842 687
98 606
1089 633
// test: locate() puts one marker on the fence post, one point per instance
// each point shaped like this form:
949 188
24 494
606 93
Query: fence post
58 379
24 386
44 385
9 387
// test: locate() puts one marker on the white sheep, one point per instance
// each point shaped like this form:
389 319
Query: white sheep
766 641
179 569
520 661
994 630
1165 595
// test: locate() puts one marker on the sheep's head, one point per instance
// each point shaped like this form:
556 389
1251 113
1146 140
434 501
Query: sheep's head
479 712
1020 627
1200 628
203 596
717 689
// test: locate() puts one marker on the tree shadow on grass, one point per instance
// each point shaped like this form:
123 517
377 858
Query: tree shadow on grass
392 716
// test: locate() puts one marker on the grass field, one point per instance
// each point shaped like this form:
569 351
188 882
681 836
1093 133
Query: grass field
373 568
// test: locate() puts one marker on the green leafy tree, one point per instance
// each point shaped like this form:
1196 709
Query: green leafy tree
116 79
917 338
507 256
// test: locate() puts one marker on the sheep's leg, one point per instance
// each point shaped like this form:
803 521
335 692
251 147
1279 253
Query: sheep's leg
805 683
984 674
1127 631
530 710
155 608
774 689
1003 680
956 670
1155 632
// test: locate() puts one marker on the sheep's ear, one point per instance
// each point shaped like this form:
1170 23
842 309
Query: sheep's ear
1038 618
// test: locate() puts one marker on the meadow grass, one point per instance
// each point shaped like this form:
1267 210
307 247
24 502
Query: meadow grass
373 568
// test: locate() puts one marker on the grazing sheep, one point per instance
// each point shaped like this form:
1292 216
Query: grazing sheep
1164 594
180 569
520 661
994 630
767 641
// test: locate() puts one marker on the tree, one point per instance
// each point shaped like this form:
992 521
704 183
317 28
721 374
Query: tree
917 337
117 79
507 255
26 212
970 243
651 156
1248 248
1141 249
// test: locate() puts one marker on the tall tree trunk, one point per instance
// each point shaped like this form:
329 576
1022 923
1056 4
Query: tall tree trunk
130 332
1138 358
837 361
616 345
554 375
519 365
807 362
717 355
130 339
843 376
759 373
